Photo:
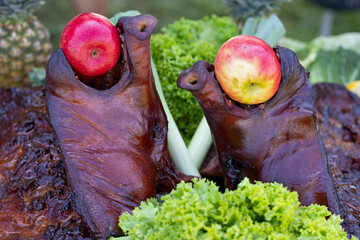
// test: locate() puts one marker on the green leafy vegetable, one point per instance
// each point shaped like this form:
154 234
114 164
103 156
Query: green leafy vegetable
253 211
118 15
307 52
178 47
349 41
270 29
37 77
340 66
334 59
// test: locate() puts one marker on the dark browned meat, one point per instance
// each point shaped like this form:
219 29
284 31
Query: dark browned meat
275 141
338 117
114 141
35 199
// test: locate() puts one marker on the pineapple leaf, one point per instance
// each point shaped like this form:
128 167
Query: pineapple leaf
19 7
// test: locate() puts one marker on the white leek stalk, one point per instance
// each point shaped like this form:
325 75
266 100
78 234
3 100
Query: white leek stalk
176 144
200 143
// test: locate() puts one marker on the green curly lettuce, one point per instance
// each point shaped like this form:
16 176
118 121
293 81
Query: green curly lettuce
179 46
253 211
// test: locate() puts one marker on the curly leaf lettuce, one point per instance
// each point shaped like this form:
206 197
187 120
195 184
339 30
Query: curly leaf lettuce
178 47
253 211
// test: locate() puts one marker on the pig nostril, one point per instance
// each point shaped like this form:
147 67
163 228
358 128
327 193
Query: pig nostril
193 81
141 26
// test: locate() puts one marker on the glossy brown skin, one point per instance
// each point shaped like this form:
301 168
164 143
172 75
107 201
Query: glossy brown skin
338 118
276 141
35 198
114 141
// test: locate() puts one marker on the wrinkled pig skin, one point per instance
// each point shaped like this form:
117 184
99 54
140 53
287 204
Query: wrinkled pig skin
276 141
338 118
114 141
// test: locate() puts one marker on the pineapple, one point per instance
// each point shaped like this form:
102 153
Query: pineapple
24 41
243 9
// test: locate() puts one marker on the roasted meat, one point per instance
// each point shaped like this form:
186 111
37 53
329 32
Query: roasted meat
114 141
276 141
104 147
35 200
68 171
338 117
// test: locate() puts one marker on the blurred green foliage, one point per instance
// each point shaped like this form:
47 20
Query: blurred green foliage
302 18
55 14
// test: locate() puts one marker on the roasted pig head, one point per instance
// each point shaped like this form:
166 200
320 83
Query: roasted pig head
276 141
114 141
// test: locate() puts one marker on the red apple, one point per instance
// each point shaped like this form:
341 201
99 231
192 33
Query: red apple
248 69
91 44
